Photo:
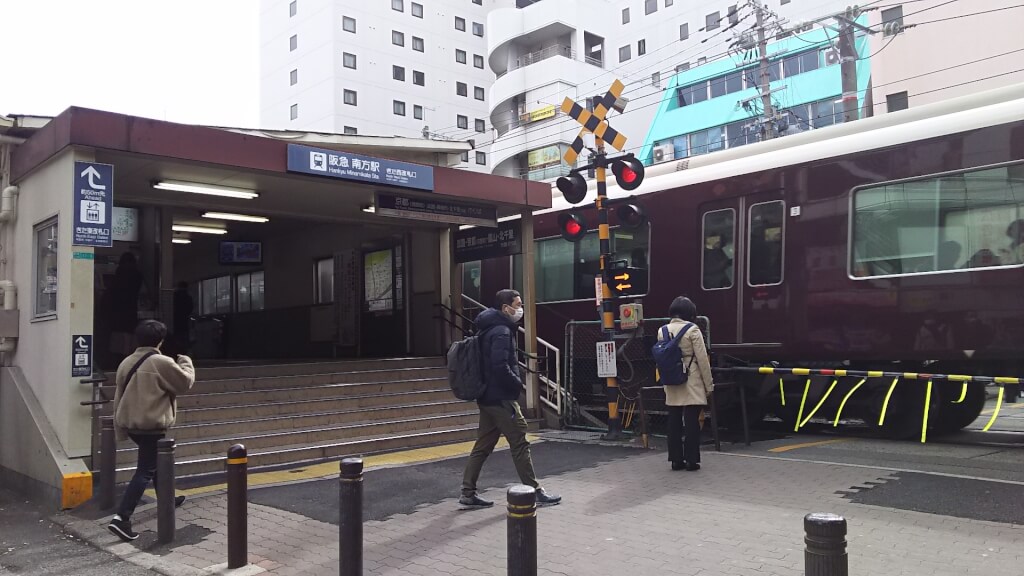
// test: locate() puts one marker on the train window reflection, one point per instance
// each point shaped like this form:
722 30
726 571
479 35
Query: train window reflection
717 268
764 259
952 222
566 270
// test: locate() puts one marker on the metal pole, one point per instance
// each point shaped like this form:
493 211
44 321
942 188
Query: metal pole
238 537
764 81
825 536
165 490
522 531
848 70
108 462
607 301
350 524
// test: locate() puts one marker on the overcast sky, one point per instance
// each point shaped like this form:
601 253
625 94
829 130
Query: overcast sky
190 61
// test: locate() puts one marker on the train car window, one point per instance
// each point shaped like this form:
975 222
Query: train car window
765 254
717 269
565 271
969 220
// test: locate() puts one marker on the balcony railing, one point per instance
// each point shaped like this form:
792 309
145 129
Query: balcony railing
546 173
544 54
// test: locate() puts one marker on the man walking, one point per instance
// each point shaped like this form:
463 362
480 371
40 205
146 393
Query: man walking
499 407
144 408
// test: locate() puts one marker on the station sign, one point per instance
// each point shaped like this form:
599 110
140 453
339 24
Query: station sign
81 355
485 243
94 205
359 168
433 210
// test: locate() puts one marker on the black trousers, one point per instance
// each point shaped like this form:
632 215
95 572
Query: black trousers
144 472
682 449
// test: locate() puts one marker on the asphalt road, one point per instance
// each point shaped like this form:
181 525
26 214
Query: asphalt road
32 545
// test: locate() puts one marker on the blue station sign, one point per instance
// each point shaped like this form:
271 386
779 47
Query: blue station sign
359 168
94 205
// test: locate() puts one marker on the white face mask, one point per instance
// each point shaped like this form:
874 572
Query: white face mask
517 315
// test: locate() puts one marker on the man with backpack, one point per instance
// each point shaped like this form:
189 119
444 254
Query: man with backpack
498 400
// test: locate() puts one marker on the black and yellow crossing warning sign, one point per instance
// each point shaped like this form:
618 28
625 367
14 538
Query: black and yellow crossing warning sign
594 122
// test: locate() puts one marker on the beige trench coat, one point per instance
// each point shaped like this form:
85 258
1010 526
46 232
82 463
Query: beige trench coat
699 384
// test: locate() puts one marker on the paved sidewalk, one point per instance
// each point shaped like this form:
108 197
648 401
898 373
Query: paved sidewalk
738 516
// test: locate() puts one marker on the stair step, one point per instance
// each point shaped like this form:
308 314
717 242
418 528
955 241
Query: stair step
296 369
207 400
305 380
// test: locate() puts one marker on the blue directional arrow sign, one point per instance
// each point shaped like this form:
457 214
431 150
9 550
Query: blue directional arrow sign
94 204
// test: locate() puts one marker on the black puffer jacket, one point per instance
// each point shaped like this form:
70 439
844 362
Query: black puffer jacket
498 349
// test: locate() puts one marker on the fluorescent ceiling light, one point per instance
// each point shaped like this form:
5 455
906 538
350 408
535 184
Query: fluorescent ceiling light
369 209
205 189
198 229
236 217
180 241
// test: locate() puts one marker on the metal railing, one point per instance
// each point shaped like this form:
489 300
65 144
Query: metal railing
543 54
547 173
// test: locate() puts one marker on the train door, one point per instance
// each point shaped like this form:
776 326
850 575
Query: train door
763 306
719 294
383 325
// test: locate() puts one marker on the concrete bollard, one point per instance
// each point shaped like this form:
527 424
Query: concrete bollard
350 524
238 501
165 490
825 536
522 531
108 462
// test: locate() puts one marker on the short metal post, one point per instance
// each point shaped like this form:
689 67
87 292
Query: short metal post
522 531
350 524
165 490
825 536
108 462
238 537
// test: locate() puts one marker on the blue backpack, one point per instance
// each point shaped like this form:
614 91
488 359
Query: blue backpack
669 357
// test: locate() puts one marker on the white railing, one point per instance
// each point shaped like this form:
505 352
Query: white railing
540 174
551 393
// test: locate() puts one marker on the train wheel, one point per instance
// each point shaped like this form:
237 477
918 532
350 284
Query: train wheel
953 416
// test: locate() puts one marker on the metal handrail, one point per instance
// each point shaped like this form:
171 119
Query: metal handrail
543 54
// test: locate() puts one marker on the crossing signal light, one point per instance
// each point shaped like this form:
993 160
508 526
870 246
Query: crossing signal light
631 216
628 171
625 280
573 187
573 227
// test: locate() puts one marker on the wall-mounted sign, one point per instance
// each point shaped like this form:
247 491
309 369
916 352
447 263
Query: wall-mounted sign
94 204
81 355
334 164
544 156
484 243
431 210
542 113
125 224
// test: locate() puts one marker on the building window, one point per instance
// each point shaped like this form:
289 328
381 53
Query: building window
684 31
478 29
351 130
215 296
398 73
348 24
398 107
892 20
726 84
650 6
625 15
706 141
656 79
348 60
293 43
641 47
784 2
417 44
293 112
478 2
461 89
249 290
734 16
682 67
462 121
417 10
323 281
350 97
419 78
941 223
765 243
480 125
417 112
397 38
712 21
897 101
478 93
803 62
478 61
481 158
624 53
566 270
45 269
293 77
692 94
465 156
460 56
460 24
717 269
398 5
668 3
293 8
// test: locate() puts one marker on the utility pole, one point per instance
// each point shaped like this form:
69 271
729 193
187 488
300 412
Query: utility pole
764 77
848 63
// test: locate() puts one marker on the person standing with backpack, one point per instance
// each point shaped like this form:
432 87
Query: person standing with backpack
686 376
499 407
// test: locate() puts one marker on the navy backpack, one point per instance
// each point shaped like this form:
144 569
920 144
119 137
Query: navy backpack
669 357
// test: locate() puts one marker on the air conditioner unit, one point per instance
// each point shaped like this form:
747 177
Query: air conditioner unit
664 153
832 57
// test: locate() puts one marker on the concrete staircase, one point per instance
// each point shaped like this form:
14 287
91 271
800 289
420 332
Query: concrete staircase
303 413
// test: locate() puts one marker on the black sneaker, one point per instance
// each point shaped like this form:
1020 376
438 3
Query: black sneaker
178 501
545 499
122 529
474 501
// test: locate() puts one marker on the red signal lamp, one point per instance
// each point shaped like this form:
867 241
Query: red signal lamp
573 227
628 171
573 187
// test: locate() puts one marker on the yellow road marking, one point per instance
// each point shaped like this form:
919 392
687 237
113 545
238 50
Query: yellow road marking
808 444
330 469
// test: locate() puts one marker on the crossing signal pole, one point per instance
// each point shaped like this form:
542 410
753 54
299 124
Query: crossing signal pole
629 173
